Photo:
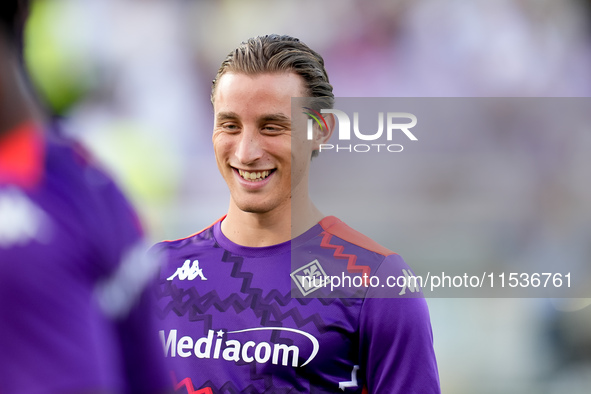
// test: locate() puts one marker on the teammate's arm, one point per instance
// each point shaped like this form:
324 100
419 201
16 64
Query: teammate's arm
126 295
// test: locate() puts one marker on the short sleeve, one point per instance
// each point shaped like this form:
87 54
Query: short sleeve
396 338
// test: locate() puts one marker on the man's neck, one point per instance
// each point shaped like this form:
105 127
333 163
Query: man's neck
269 228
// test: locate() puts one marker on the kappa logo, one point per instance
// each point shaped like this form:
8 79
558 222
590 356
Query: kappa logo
410 282
188 271
310 277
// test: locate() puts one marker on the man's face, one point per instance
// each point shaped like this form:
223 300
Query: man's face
252 140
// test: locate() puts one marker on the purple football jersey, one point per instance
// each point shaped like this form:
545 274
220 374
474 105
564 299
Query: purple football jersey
239 319
74 313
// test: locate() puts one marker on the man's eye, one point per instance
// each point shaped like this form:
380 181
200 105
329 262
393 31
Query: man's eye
231 127
273 128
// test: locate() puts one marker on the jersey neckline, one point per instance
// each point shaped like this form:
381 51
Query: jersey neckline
265 251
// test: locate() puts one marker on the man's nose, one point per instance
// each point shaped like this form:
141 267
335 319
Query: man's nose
249 148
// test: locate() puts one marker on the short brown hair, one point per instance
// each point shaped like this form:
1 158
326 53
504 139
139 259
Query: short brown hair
280 53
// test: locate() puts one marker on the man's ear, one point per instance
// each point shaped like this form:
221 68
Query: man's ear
323 134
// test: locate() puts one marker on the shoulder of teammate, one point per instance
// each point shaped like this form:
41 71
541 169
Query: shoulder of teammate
64 179
22 154
108 222
125 292
112 223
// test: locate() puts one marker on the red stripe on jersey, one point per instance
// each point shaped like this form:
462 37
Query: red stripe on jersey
188 383
336 227
338 253
21 156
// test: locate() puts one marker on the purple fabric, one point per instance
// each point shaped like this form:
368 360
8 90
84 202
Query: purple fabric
230 324
58 241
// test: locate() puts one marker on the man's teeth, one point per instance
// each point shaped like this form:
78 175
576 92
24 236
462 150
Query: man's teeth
254 176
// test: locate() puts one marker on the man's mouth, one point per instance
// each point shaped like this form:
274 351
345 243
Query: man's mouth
255 176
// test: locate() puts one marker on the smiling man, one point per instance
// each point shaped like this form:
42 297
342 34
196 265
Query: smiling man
230 322
267 175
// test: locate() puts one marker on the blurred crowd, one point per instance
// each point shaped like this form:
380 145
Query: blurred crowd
132 79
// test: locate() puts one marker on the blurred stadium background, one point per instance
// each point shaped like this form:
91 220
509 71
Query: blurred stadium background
131 80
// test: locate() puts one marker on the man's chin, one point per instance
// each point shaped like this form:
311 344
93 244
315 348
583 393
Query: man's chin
254 209
257 207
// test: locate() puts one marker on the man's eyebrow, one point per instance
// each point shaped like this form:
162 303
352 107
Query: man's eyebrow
226 115
275 118
278 117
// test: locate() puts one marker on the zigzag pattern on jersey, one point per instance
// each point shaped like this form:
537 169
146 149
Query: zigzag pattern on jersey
273 294
196 306
188 384
338 253
189 301
267 308
230 388
263 307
